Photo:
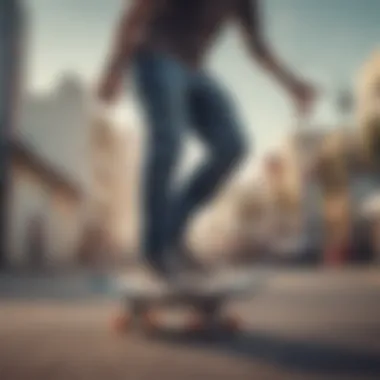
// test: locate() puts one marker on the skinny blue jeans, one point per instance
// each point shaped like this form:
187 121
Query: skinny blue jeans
175 97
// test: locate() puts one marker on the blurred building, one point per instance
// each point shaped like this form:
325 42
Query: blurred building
288 174
297 217
368 109
115 188
366 183
299 153
213 231
50 175
12 25
229 229
345 183
368 89
44 218
279 177
333 178
57 125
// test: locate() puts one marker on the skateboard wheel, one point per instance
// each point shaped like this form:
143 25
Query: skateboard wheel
196 324
150 322
231 324
122 323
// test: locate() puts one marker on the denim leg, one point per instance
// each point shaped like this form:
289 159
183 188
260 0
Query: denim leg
214 119
162 88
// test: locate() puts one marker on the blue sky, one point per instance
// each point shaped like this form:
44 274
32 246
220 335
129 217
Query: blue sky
325 40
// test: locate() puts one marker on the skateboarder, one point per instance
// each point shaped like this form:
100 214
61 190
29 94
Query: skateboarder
165 42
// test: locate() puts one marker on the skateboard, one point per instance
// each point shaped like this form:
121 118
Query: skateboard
141 302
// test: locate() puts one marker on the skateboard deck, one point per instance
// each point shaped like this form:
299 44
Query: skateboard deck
141 297
220 284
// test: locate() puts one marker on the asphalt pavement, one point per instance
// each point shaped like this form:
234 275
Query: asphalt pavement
310 324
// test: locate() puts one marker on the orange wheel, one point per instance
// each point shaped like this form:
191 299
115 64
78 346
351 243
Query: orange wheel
231 324
122 323
150 322
196 323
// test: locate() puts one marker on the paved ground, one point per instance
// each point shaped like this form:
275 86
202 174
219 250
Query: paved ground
305 325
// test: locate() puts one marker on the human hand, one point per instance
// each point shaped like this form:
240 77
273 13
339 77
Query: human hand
304 96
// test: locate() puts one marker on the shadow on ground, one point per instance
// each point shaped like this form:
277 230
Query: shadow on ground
305 356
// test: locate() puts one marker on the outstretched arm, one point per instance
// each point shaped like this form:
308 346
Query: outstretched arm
129 34
249 17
